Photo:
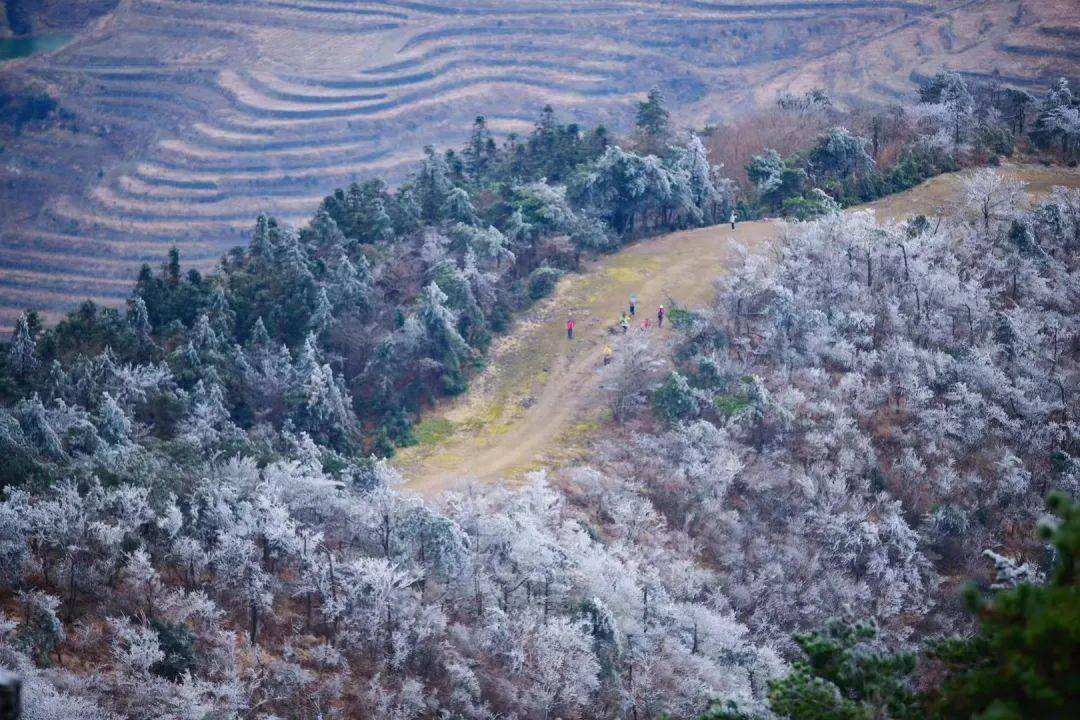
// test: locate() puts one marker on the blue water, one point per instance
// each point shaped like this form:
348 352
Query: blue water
11 48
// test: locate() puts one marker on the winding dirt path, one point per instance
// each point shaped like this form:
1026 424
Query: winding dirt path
538 398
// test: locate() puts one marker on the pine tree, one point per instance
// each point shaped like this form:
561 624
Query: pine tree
1023 663
447 345
349 284
323 234
22 355
322 318
264 238
654 122
222 317
38 429
458 208
367 217
480 150
113 423
259 339
171 269
846 677
138 318
432 186
693 161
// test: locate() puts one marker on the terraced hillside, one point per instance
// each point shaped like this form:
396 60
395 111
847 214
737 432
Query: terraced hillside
189 117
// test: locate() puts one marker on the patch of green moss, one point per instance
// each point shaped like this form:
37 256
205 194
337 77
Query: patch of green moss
729 405
434 431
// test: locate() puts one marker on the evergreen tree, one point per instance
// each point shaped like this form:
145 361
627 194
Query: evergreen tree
841 156
323 316
1023 663
22 355
323 234
432 185
138 318
654 122
847 677
171 269
693 162
350 284
264 239
259 338
458 208
367 216
948 89
220 313
113 423
447 345
480 150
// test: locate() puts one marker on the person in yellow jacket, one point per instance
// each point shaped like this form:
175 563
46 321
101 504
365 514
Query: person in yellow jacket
608 354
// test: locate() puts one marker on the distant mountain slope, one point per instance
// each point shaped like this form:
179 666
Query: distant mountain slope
188 118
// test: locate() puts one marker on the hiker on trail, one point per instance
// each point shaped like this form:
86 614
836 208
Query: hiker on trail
570 325
624 323
608 353
633 305
732 219
646 325
660 317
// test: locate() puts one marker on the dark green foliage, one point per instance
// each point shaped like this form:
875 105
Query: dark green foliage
840 155
481 151
542 282
776 180
916 164
845 676
814 204
727 711
654 122
178 644
675 399
1025 661
168 295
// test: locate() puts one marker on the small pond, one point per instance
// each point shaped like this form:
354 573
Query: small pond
11 48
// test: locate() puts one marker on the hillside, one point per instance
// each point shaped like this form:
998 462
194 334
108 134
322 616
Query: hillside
541 398
184 120
843 423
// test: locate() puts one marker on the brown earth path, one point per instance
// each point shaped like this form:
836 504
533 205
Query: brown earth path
538 399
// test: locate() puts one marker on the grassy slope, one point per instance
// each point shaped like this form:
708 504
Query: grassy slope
540 399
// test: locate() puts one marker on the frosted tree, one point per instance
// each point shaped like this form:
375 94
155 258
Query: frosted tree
693 161
349 283
241 577
987 195
445 342
135 648
432 185
322 316
139 321
41 629
326 412
457 207
113 423
22 354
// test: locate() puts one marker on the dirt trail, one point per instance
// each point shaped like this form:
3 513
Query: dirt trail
538 397
538 388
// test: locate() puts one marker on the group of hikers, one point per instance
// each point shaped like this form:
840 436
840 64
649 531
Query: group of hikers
628 317
624 325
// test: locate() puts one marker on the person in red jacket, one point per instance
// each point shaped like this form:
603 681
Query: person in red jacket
660 317
570 325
